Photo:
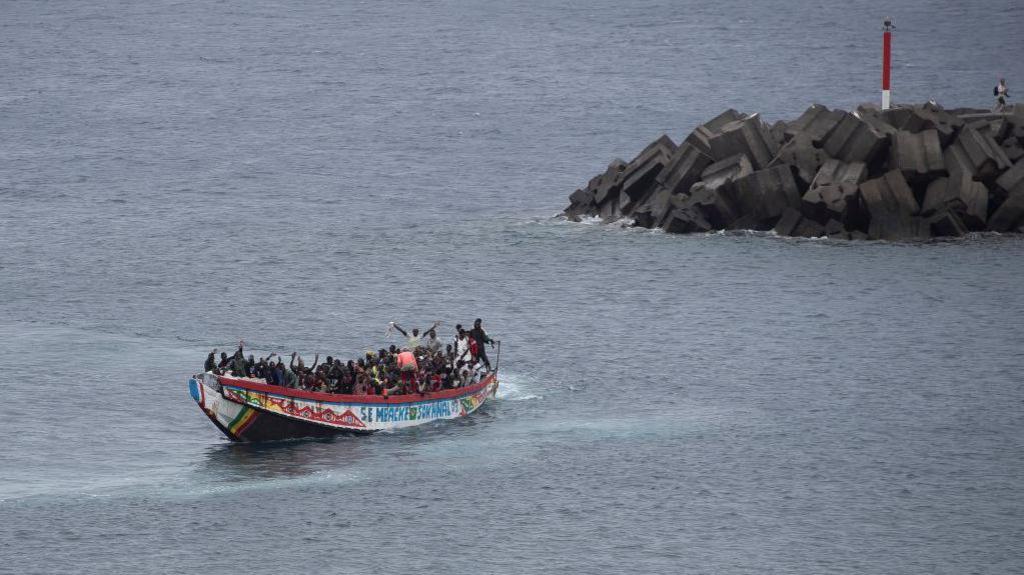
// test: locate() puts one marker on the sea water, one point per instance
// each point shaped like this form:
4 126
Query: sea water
176 177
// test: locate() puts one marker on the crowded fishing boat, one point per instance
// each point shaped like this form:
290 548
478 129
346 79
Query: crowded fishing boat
421 380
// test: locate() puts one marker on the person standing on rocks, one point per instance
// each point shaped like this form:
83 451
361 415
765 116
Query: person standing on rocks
1001 93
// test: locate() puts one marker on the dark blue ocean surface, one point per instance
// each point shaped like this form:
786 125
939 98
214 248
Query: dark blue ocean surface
178 176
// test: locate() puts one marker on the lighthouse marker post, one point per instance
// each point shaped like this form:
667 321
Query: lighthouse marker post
886 60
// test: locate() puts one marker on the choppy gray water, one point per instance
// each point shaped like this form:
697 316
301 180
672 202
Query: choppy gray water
176 176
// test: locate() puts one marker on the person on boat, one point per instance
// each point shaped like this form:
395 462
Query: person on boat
211 362
480 337
414 340
462 347
361 387
348 378
224 361
431 342
463 374
317 382
408 367
258 369
301 366
238 367
289 377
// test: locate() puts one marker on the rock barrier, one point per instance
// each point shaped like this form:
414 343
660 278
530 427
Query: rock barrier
913 172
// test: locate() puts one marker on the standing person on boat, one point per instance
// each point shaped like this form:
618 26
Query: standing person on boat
238 364
432 344
480 336
408 367
414 340
462 347
301 368
211 362
224 361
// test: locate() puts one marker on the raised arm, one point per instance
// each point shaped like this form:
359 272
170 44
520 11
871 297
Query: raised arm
292 364
316 360
399 328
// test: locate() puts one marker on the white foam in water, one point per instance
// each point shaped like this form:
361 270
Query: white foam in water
512 387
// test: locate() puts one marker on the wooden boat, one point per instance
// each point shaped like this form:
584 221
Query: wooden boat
248 409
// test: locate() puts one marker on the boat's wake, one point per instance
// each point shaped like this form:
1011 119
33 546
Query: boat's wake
512 387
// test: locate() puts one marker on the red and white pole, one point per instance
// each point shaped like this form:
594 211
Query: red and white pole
886 60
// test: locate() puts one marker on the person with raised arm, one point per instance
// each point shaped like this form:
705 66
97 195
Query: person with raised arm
211 362
238 363
414 340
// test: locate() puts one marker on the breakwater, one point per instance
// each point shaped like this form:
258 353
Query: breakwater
913 172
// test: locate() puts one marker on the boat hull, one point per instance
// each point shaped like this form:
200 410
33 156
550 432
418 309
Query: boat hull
249 410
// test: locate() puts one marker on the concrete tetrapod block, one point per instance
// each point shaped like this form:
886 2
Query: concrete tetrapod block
894 226
873 117
837 172
1013 179
946 223
815 124
724 172
1010 212
607 185
778 132
960 194
787 222
581 203
957 163
765 194
927 117
1009 215
889 194
747 136
835 194
1016 128
808 228
685 221
893 209
749 222
714 204
917 155
1012 148
800 152
639 175
854 140
999 129
980 152
701 136
835 229
609 210
654 210
684 169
